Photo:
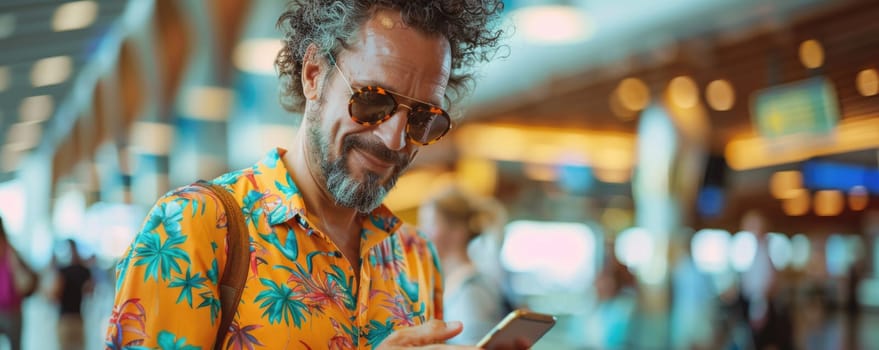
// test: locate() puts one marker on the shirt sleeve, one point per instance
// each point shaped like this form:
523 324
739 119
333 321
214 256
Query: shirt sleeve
167 281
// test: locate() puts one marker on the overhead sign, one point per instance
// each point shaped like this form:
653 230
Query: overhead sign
824 175
805 107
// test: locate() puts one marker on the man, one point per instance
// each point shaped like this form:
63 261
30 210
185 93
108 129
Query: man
767 315
72 282
330 267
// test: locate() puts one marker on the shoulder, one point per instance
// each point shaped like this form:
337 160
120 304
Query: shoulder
409 231
416 245
197 195
184 211
411 237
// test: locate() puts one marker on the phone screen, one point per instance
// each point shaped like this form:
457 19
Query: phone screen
519 329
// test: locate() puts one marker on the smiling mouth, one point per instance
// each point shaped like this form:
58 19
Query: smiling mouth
371 161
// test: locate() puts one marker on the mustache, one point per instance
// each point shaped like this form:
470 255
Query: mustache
376 149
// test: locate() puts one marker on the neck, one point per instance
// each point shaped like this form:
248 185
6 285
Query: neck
339 223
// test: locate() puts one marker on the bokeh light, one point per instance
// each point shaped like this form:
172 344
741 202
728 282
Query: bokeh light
801 250
797 204
720 95
867 82
710 249
683 92
811 54
829 203
742 250
780 250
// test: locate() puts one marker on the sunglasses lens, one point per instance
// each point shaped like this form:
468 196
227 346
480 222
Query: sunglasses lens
428 124
370 106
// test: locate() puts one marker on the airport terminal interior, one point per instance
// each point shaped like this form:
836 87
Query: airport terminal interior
657 163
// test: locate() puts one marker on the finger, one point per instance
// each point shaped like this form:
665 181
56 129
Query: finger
431 332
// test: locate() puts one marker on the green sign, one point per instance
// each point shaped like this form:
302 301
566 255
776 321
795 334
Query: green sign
805 107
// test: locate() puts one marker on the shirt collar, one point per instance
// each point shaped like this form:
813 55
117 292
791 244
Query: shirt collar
284 200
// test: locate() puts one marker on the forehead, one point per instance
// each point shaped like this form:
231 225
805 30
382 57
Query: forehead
386 43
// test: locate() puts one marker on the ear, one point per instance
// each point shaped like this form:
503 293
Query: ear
312 73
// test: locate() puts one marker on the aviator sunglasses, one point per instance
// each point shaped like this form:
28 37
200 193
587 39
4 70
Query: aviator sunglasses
373 105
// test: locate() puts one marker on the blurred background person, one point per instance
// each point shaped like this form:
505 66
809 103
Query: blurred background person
73 282
17 281
611 324
453 219
767 313
694 299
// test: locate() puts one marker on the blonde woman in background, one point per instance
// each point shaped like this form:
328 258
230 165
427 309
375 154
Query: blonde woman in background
453 219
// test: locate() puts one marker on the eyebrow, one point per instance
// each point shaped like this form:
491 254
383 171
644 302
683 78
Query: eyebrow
379 84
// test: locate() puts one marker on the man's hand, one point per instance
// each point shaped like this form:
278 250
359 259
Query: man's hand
430 335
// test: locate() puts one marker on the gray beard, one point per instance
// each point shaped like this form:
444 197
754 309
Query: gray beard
347 191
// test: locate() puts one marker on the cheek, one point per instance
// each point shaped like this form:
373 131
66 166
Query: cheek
333 115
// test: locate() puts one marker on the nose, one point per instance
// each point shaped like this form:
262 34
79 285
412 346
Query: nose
393 131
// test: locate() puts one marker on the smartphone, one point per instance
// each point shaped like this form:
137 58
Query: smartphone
520 329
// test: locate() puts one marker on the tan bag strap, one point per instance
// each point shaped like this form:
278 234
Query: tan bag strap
238 254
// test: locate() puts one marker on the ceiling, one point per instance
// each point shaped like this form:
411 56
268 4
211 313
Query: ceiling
623 28
751 60
46 46
756 49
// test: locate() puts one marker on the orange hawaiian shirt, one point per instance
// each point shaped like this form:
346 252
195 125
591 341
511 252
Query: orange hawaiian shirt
300 292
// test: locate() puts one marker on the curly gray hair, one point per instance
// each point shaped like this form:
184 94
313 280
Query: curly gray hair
469 25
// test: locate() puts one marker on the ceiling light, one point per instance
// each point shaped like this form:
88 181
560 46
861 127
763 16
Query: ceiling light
633 94
7 25
152 138
257 55
785 184
683 92
74 15
35 109
797 204
828 203
5 78
51 71
867 82
544 145
553 24
720 95
23 136
811 54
